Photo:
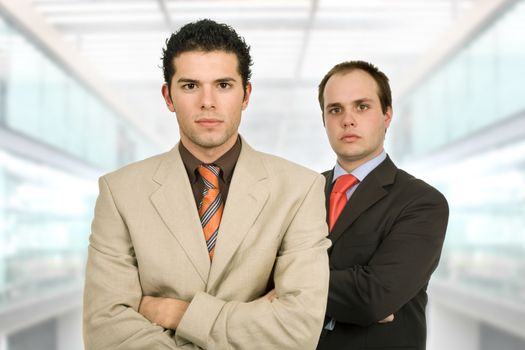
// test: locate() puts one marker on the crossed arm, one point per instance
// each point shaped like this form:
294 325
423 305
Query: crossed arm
167 312
398 269
114 305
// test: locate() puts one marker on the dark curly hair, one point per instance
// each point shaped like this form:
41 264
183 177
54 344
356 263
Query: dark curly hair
206 35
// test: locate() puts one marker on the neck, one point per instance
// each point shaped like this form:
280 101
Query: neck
209 154
350 165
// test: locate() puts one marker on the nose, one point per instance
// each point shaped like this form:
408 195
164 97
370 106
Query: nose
207 98
349 120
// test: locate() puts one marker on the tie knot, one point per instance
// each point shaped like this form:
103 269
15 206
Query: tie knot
210 175
344 182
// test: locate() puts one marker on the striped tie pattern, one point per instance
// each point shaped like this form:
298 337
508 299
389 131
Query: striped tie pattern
211 205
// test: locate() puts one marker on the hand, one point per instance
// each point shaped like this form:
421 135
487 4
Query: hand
270 296
387 319
165 312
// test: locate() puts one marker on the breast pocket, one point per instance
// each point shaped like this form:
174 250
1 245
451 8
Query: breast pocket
354 249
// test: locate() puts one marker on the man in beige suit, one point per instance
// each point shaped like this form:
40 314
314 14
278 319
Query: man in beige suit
157 277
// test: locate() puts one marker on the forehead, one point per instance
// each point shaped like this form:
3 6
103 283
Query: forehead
353 85
198 63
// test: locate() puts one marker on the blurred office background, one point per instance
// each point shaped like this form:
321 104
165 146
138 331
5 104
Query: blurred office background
80 96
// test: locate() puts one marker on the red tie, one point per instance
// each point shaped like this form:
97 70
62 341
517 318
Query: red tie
338 197
211 206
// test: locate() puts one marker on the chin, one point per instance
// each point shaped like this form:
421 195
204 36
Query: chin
211 142
347 153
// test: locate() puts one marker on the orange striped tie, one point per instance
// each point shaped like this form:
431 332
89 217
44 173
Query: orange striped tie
211 205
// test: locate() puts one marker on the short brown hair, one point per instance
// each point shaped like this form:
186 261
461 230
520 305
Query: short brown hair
384 93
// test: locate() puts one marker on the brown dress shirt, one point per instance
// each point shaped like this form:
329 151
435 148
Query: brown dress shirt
226 162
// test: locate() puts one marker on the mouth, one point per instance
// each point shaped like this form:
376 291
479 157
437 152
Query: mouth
349 137
208 122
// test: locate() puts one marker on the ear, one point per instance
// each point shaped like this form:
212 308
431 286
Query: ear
167 98
247 93
388 117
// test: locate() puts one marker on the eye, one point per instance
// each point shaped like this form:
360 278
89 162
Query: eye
224 85
334 110
189 86
363 107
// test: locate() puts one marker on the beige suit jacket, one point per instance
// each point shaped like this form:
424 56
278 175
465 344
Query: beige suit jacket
147 240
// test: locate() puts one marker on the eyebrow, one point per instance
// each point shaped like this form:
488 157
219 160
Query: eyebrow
361 100
356 102
225 79
194 81
334 104
187 80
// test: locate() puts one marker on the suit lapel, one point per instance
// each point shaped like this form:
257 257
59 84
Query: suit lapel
371 190
246 197
329 175
175 204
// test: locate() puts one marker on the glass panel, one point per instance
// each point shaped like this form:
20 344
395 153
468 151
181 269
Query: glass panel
479 86
510 62
482 83
52 116
4 57
43 102
23 98
457 103
76 120
485 244
43 241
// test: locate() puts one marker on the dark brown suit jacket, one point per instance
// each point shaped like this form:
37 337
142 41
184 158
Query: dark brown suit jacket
385 246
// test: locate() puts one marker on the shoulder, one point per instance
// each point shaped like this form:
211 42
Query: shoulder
278 165
136 171
416 188
288 172
327 173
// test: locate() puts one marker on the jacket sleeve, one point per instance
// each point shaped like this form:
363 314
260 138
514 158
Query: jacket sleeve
112 291
294 319
399 268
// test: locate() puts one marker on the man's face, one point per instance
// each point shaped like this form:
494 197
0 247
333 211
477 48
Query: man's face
354 121
208 98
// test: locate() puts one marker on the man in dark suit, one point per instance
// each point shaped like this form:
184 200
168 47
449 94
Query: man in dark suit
387 227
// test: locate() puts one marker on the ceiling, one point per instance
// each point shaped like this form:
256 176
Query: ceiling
293 44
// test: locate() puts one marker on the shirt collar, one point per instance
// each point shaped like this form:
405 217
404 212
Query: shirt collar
226 162
361 171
